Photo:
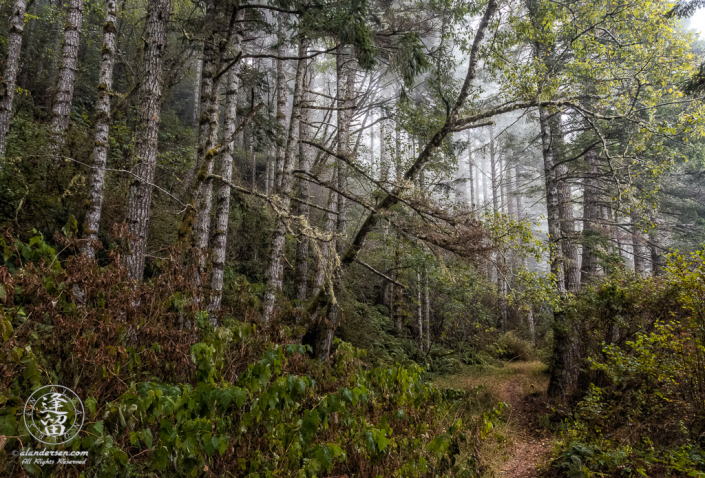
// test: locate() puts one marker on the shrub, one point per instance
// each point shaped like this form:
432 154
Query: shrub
166 394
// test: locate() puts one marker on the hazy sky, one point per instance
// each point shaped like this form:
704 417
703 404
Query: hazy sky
697 22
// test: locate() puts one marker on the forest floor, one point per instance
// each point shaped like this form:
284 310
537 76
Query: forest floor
521 445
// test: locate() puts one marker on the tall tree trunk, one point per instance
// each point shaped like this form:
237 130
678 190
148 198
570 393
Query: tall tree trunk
517 190
511 190
427 308
305 162
215 52
344 92
197 91
419 310
282 91
485 182
471 177
222 195
591 217
63 96
552 202
657 262
102 132
327 246
140 199
7 83
637 244
493 172
571 268
565 366
274 273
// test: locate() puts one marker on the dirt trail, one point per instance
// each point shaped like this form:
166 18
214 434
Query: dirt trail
529 443
522 443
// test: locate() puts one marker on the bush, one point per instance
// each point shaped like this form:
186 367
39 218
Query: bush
643 409
168 395
510 347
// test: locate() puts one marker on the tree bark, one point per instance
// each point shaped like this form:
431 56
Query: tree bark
305 162
552 202
344 92
140 199
657 262
637 244
215 51
281 88
493 172
427 308
419 310
101 139
9 78
274 274
222 209
591 217
63 96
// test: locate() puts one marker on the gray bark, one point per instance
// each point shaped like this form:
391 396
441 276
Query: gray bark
419 310
345 82
591 217
637 244
552 202
281 88
140 199
493 172
9 78
305 162
63 95
427 309
215 51
101 138
222 209
274 274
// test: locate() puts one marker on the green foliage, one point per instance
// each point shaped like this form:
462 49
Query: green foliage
198 400
642 413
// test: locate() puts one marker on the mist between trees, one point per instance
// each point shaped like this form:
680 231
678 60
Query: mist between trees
406 176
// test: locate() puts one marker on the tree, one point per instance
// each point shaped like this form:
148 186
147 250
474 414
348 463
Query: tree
9 78
91 223
63 95
140 198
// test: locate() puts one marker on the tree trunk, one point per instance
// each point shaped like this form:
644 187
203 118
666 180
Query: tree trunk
564 367
552 202
657 262
63 96
305 162
493 172
282 91
197 92
274 273
427 308
637 244
517 190
344 92
222 208
102 132
140 199
419 310
591 217
9 78
215 51
569 249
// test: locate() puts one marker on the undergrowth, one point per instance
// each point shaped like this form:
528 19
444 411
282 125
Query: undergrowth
167 394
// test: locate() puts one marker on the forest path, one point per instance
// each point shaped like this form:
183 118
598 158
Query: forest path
522 444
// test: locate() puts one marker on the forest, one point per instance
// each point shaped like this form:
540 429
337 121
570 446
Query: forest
352 238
